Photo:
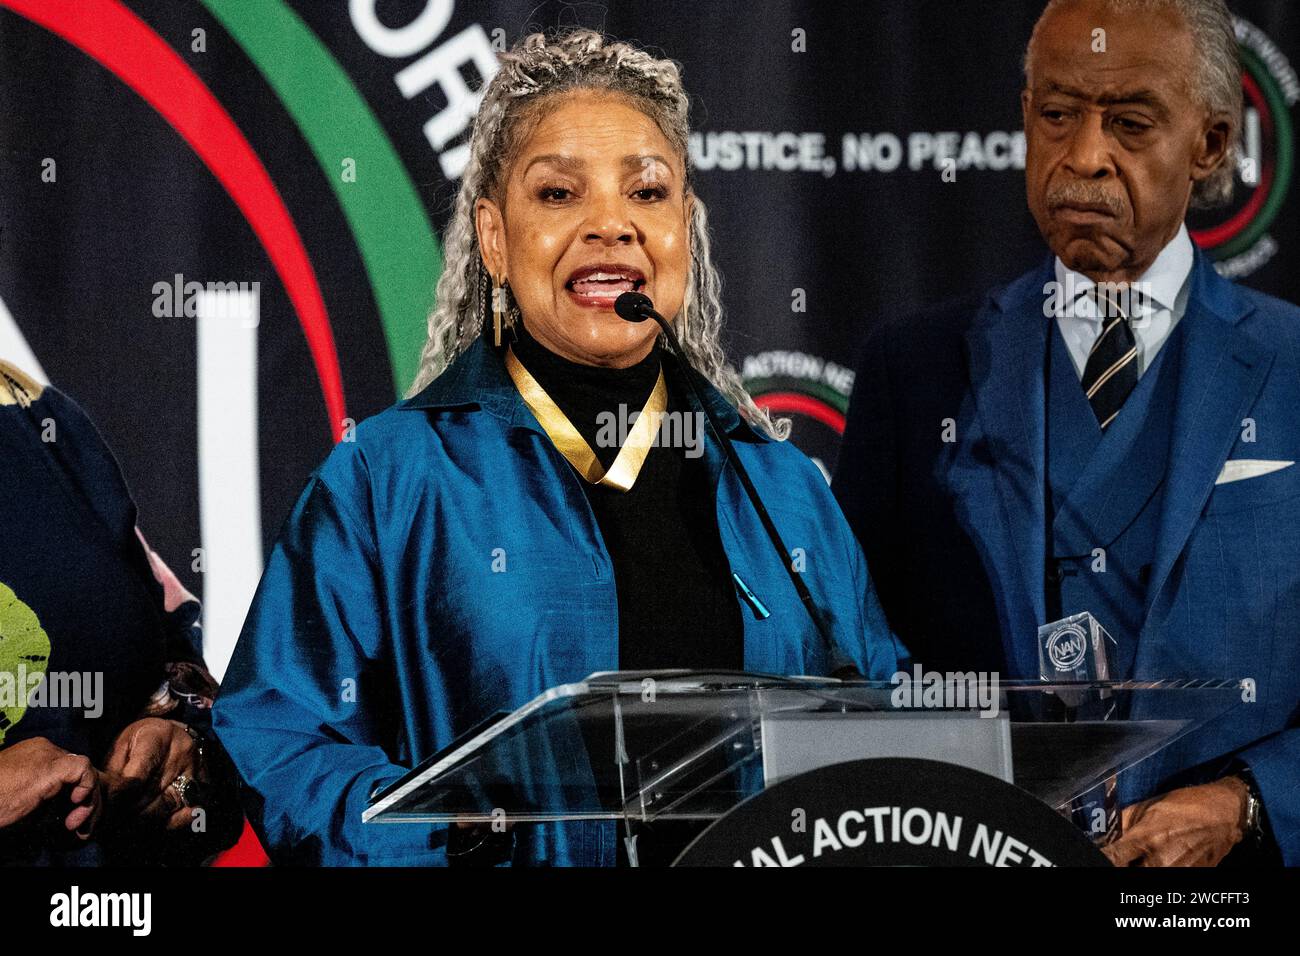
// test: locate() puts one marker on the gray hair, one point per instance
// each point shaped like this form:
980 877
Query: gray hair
535 70
1215 83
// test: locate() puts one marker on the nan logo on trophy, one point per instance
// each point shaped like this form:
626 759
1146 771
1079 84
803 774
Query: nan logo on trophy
1067 647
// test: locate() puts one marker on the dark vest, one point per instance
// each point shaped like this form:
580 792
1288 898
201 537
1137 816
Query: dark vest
1104 496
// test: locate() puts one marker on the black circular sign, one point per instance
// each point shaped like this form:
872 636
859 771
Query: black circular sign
892 812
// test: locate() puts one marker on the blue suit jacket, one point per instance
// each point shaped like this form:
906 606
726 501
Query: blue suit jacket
388 575
955 533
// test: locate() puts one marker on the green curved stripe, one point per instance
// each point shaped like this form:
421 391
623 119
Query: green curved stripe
398 245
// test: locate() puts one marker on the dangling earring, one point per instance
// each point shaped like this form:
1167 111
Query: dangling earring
498 294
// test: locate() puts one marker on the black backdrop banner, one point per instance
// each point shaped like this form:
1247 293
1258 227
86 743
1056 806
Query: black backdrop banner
219 219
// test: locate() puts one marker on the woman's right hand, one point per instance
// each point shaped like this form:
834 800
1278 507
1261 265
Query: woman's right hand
34 772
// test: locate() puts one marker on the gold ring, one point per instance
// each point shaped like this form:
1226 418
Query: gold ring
182 785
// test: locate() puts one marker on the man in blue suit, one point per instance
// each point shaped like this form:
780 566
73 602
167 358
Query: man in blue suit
1116 431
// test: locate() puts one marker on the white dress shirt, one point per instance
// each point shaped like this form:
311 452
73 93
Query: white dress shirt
1152 320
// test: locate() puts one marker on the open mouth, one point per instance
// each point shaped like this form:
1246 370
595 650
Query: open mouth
599 285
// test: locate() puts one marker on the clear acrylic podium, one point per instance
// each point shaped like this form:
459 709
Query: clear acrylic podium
676 745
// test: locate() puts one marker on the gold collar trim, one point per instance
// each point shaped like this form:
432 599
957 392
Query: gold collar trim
623 472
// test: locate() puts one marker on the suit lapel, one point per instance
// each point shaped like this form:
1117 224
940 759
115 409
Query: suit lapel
1005 350
1223 370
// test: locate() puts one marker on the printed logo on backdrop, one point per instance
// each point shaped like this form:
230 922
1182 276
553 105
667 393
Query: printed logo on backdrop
1237 237
812 391
331 88
948 151
892 812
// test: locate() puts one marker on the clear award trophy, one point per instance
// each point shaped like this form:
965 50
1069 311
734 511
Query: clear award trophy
1076 649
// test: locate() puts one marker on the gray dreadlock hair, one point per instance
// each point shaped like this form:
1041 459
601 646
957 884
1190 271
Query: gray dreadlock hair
538 68
1214 79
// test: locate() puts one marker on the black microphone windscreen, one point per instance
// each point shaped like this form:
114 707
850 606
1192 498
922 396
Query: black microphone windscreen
633 306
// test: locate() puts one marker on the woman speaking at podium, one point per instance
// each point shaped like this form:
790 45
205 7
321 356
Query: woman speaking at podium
519 521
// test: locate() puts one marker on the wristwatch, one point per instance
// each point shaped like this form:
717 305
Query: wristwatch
1254 823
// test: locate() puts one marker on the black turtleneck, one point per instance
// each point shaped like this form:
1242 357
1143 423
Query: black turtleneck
677 604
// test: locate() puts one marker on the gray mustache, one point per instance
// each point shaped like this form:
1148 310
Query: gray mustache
1072 194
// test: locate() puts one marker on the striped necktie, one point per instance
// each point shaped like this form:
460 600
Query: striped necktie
1112 369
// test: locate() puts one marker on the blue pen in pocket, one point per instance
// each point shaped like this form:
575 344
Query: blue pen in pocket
760 609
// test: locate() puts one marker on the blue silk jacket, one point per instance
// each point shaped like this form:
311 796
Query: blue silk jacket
445 564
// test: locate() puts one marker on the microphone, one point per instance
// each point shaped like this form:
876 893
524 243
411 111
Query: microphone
635 307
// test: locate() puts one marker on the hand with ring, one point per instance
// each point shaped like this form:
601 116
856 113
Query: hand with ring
155 772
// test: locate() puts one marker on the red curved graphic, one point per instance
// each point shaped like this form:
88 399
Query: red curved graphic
120 41
798 404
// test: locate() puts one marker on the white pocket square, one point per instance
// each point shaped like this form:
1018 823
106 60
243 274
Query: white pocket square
1241 468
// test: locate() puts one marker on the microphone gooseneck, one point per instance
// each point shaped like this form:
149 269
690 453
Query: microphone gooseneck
635 307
